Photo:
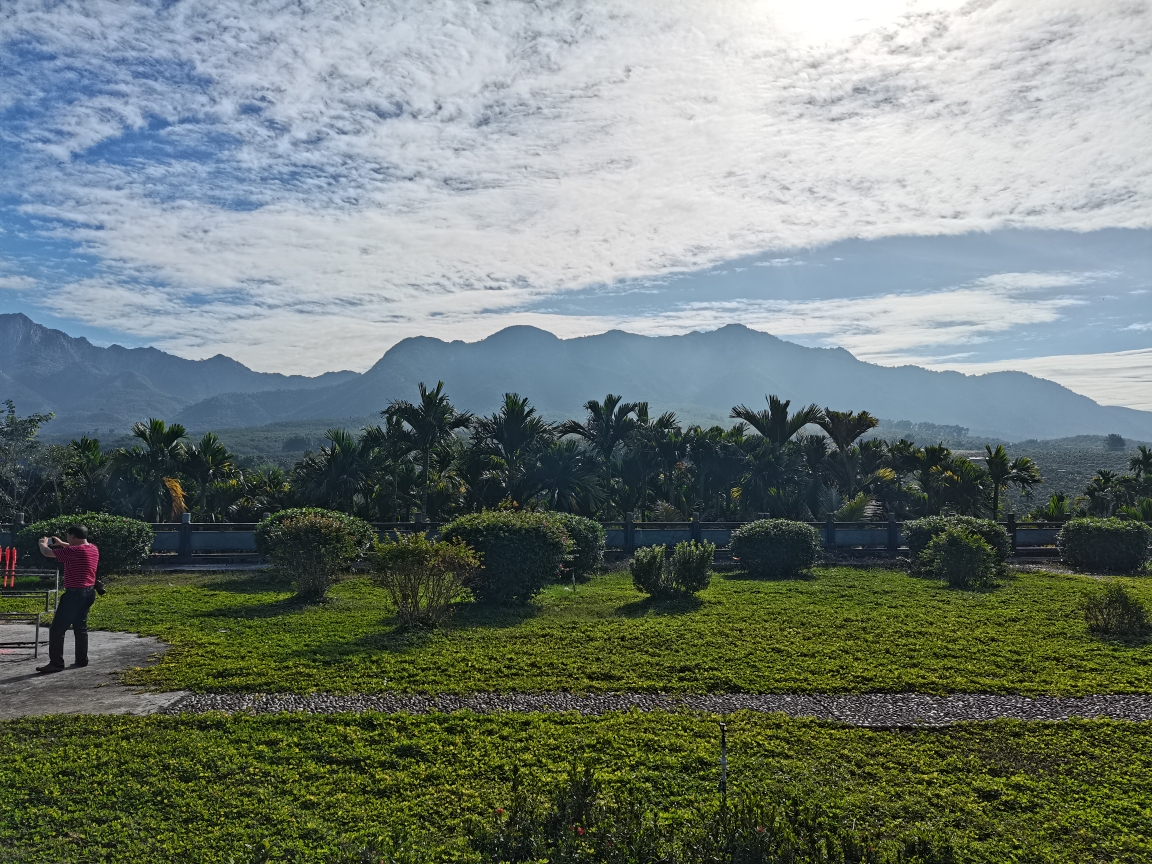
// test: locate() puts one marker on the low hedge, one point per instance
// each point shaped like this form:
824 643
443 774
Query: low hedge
776 548
918 533
313 545
521 553
124 543
588 539
1104 545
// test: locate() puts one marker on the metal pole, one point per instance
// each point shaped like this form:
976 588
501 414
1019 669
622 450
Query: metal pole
724 759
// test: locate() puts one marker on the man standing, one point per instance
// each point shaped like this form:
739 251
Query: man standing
79 558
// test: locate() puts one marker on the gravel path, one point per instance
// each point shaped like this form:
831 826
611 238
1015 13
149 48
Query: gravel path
875 710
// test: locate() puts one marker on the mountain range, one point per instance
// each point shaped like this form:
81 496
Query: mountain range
701 374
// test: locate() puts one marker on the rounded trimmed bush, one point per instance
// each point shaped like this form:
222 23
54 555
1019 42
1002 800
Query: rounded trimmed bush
124 543
521 552
776 548
918 533
312 545
1104 545
960 557
588 538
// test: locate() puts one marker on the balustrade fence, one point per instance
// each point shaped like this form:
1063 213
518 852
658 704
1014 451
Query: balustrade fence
189 540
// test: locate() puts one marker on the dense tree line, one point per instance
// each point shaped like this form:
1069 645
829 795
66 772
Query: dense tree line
426 456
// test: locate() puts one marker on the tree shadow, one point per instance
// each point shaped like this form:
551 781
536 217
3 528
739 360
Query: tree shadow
258 583
660 606
272 609
489 616
746 576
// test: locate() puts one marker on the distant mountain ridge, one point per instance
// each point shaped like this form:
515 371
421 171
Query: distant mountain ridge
42 369
701 373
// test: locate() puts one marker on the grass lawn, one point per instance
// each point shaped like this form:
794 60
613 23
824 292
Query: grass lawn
846 630
163 789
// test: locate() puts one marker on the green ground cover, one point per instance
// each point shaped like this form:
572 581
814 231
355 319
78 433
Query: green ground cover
163 789
846 630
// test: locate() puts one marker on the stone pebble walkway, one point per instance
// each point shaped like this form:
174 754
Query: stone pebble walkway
871 710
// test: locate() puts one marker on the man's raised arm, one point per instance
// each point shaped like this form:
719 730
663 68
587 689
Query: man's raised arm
46 546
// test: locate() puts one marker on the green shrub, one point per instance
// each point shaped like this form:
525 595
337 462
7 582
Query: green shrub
918 533
312 545
1104 545
520 552
648 571
423 578
1115 614
685 572
124 543
959 557
588 538
577 823
776 548
689 565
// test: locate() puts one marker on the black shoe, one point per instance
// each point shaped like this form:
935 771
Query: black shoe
78 665
50 667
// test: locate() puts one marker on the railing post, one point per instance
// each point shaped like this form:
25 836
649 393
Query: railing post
697 533
1012 530
893 533
629 534
830 531
185 550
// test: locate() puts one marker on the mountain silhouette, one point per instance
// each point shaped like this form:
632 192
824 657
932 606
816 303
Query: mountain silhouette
697 374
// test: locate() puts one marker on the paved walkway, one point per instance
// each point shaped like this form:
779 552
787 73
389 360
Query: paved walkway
91 690
873 710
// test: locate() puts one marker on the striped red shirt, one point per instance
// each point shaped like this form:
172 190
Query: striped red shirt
79 564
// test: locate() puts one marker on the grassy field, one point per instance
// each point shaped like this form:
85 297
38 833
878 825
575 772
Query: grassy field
198 789
845 630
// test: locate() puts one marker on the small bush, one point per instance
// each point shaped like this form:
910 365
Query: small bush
1104 545
648 571
577 823
960 558
1115 614
423 578
685 572
776 548
689 565
588 538
918 533
124 543
313 545
520 552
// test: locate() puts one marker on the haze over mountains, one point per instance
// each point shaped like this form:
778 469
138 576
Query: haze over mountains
94 389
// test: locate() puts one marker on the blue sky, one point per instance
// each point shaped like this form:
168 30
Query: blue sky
958 185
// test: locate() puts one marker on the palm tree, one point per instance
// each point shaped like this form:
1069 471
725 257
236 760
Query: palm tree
844 427
567 472
153 468
512 440
429 424
338 475
963 486
86 475
1141 463
208 462
608 424
1020 472
776 424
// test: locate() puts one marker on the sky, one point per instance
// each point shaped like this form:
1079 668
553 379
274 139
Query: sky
299 184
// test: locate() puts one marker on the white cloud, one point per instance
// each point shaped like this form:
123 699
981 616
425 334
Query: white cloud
430 168
1115 378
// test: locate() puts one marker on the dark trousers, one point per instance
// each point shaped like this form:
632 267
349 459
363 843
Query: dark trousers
71 611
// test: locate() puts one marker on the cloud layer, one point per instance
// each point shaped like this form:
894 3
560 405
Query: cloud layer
301 184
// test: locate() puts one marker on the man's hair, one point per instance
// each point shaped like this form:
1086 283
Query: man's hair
77 531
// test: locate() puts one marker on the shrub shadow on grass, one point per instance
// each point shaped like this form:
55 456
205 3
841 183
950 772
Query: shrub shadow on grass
255 584
738 575
660 606
469 616
272 609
